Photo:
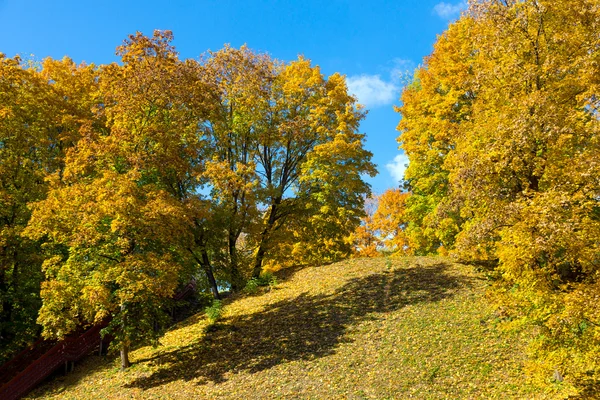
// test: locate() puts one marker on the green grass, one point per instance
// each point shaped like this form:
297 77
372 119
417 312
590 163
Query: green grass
360 329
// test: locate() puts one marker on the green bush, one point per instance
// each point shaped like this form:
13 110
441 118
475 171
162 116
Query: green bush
214 311
252 286
267 279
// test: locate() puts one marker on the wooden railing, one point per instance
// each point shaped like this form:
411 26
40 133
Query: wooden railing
22 359
31 366
71 349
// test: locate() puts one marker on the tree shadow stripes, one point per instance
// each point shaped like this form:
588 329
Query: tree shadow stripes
302 328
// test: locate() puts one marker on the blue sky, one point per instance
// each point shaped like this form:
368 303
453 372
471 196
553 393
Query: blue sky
376 43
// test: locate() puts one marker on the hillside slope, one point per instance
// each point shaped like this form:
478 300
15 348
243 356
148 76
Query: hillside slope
363 328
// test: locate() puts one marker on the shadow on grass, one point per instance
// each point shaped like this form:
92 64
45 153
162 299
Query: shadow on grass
587 390
305 327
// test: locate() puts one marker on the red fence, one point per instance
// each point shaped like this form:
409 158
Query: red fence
71 349
21 360
31 366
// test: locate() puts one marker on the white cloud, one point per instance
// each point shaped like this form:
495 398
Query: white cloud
372 91
397 167
448 11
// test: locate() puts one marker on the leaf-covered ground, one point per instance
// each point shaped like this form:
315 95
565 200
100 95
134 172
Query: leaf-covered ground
360 329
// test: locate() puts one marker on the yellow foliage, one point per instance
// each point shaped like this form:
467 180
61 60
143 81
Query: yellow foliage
502 132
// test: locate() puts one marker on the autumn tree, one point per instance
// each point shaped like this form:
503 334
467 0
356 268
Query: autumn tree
390 221
239 82
506 109
119 220
434 108
287 158
43 106
331 182
383 229
20 182
537 169
364 237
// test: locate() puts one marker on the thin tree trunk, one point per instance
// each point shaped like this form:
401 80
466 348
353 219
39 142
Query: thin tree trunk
205 264
209 274
125 343
234 272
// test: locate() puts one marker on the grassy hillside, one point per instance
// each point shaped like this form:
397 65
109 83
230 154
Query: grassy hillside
365 328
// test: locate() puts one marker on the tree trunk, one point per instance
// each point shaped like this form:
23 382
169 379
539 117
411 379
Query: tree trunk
205 264
125 341
262 248
125 356
236 279
209 274
260 255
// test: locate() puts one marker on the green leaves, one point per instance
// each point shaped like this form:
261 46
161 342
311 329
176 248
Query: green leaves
280 135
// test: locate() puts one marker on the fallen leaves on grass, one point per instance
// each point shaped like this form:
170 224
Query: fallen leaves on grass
355 329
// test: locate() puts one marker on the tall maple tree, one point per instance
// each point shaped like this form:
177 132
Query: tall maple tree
119 218
281 135
501 129
42 107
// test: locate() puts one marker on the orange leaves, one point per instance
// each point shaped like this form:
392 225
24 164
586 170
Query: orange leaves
391 221
383 228
140 48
